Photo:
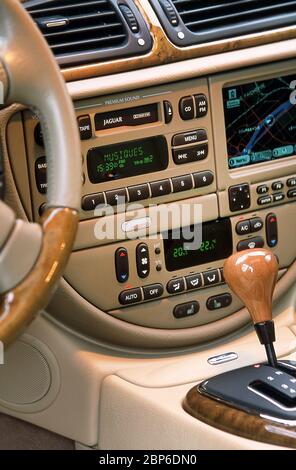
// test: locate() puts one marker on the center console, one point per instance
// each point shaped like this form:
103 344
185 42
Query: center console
225 146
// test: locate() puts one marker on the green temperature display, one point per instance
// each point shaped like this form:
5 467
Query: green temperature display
127 159
216 245
206 245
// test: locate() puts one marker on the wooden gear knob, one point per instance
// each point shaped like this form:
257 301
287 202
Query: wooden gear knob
252 276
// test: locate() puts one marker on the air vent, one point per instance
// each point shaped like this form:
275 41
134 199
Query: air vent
83 31
189 22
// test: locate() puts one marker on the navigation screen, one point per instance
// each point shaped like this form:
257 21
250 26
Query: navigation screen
260 121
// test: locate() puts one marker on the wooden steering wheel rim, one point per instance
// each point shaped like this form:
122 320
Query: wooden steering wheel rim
19 306
34 80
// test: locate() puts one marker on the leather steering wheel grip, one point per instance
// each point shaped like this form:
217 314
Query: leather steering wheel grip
30 76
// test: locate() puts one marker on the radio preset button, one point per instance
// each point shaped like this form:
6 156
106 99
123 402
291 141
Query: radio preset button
211 277
168 112
194 281
138 193
219 301
202 179
186 310
256 242
239 197
121 265
263 189
175 286
186 108
243 227
256 224
182 183
190 154
291 182
160 188
153 291
84 124
189 137
263 201
91 201
130 296
143 260
116 197
201 103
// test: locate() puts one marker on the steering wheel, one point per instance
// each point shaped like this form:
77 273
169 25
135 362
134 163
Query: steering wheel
33 256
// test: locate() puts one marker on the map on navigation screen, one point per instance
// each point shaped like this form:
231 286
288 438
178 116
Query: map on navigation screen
260 119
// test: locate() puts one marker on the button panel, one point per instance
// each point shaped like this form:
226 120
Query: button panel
239 197
147 190
190 154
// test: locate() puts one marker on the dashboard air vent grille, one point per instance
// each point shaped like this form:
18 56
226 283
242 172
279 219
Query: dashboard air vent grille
199 21
79 31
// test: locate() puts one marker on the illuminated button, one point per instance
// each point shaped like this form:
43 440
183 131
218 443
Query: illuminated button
256 224
277 186
138 193
190 154
182 183
130 296
121 265
291 193
186 310
239 197
271 230
243 227
143 261
186 108
201 103
41 174
219 301
291 183
116 197
263 189
211 277
189 137
256 242
203 178
91 201
263 201
160 188
194 281
153 292
168 112
278 197
84 124
175 286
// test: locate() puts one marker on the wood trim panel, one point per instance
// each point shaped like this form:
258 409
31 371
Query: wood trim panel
19 306
237 422
164 52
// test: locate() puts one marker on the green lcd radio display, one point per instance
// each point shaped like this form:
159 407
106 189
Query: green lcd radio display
127 159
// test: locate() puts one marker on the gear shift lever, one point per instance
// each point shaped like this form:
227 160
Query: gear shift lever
252 275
